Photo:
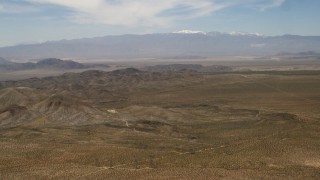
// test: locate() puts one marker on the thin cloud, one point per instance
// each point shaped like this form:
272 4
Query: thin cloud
264 5
137 12
132 12
16 8
261 5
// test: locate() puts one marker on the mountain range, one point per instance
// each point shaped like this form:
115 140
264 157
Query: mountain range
183 43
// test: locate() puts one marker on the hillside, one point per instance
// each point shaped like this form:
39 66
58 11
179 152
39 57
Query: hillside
135 124
71 97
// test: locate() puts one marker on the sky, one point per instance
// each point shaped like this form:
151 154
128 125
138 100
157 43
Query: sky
35 21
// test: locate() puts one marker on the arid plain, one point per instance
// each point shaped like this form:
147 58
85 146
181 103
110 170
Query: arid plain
180 124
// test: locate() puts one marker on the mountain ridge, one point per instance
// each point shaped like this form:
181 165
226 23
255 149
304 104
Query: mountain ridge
166 44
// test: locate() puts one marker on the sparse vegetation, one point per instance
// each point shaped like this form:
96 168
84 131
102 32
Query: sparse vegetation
186 124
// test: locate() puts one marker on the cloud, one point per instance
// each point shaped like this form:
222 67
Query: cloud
133 12
16 8
139 12
253 4
264 5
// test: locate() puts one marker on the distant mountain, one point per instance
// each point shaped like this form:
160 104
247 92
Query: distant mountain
183 43
50 63
173 67
57 63
4 61
304 54
181 67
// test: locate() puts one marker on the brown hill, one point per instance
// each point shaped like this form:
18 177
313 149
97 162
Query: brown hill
77 98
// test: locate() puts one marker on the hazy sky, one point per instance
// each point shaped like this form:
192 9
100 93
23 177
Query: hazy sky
31 21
